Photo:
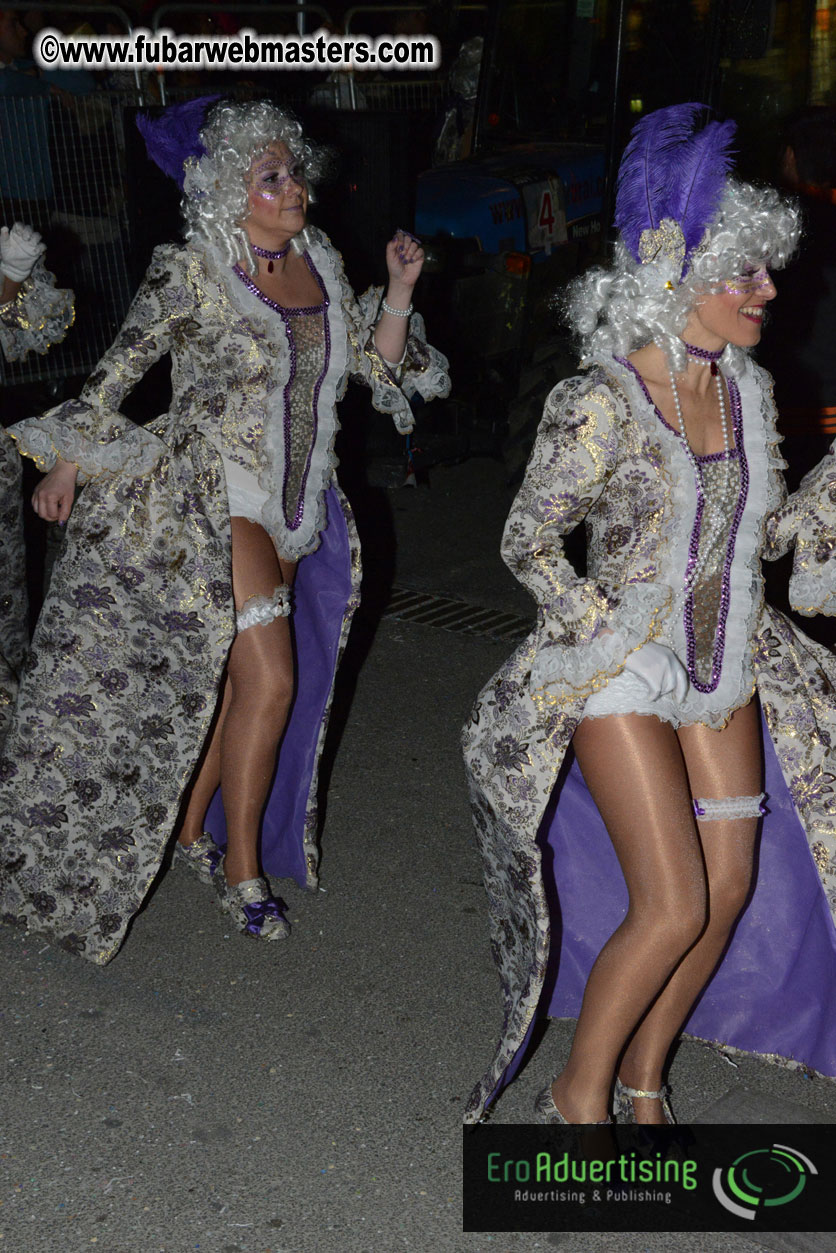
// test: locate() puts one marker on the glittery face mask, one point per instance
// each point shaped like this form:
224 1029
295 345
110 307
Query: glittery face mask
749 282
273 177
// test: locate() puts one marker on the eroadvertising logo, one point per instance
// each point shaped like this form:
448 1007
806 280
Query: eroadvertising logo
708 1177
762 1177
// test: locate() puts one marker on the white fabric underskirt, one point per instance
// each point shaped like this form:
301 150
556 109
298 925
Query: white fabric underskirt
627 694
245 496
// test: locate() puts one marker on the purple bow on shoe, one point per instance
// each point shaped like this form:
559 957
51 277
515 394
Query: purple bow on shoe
258 913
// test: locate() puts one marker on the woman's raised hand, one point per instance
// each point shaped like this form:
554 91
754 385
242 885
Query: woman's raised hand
52 499
404 259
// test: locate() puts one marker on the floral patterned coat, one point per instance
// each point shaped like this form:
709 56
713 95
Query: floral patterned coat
604 456
122 678
38 317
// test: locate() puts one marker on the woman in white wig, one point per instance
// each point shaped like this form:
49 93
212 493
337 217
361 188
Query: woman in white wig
699 719
162 675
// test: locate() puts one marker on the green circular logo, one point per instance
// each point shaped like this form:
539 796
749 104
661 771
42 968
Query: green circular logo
762 1178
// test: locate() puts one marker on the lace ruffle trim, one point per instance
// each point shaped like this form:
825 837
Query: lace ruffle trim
423 371
38 317
585 666
51 436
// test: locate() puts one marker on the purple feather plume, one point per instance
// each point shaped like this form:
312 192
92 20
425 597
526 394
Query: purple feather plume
701 176
174 136
668 171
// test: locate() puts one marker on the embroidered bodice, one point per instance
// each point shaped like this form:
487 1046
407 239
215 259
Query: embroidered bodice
309 349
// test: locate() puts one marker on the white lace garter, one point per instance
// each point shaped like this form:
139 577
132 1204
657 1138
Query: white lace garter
261 609
709 809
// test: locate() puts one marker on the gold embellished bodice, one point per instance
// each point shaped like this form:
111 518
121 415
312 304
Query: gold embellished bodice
306 331
713 550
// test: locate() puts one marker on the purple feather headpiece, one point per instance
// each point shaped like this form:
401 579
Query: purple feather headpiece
672 176
174 136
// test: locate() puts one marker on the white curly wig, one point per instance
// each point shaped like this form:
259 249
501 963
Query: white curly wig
623 307
214 188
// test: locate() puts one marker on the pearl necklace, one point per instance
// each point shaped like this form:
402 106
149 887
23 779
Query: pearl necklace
704 356
715 508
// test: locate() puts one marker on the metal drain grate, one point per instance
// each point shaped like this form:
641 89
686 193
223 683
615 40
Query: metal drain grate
455 615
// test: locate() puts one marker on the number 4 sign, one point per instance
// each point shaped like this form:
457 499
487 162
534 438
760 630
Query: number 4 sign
545 213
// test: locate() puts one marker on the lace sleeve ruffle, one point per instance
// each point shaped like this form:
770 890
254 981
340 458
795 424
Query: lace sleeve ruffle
90 431
422 372
73 431
575 453
573 653
39 316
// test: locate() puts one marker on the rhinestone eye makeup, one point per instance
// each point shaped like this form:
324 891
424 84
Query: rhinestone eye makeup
270 179
751 280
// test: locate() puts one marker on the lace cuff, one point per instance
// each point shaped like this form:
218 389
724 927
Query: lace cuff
39 316
576 654
813 590
422 370
122 448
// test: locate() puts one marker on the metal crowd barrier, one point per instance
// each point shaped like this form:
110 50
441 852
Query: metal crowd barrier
62 171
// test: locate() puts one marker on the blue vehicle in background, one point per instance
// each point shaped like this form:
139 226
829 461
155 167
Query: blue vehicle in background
513 209
541 98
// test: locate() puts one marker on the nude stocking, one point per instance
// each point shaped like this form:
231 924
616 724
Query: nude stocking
240 753
642 775
719 763
634 769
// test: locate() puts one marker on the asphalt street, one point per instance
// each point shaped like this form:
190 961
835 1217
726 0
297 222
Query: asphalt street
204 1092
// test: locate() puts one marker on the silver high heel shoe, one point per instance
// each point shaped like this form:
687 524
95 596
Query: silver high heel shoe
252 906
623 1101
546 1111
203 856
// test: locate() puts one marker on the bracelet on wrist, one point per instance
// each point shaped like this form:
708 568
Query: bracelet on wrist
398 313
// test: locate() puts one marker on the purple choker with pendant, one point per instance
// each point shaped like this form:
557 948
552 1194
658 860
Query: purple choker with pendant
270 257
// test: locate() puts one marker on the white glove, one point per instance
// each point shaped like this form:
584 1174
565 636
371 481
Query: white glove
660 670
20 248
